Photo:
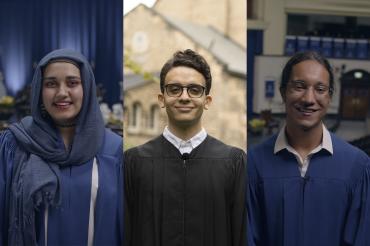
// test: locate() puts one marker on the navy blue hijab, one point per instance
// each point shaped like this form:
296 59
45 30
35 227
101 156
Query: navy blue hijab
41 152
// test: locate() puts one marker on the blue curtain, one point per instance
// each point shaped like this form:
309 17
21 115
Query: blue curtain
255 47
29 29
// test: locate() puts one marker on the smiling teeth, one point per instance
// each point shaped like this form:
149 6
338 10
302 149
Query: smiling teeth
306 110
62 104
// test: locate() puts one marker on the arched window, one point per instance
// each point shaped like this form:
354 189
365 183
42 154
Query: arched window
126 116
136 115
154 117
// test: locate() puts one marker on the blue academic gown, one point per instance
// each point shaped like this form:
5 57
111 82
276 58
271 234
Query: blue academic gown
330 206
68 223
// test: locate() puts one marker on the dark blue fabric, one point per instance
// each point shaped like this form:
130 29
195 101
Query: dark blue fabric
68 223
329 206
255 47
16 28
31 29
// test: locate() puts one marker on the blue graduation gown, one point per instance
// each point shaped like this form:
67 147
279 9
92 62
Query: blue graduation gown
68 223
330 206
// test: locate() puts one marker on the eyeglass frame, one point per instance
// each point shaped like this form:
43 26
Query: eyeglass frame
187 89
317 92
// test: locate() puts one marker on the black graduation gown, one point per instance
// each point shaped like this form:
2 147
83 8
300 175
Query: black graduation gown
199 201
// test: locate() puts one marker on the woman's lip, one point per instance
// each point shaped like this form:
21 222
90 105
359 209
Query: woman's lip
62 105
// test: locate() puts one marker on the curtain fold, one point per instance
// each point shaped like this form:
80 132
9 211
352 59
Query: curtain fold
255 47
29 29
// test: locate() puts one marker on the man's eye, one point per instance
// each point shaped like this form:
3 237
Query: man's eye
321 89
175 89
195 89
299 86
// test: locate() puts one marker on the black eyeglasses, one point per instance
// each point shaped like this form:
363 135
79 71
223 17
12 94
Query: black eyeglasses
176 90
300 87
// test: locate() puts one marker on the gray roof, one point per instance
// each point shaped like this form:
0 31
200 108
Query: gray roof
135 80
224 49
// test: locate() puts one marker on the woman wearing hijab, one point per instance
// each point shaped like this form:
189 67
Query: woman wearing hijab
60 169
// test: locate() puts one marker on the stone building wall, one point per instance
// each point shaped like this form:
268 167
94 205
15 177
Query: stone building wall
227 16
226 118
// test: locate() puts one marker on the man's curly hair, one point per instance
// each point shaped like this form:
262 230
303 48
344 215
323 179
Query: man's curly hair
187 58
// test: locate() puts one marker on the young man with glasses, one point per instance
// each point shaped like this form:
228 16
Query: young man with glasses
185 187
306 186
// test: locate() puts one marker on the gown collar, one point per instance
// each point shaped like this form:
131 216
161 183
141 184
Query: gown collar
185 146
282 142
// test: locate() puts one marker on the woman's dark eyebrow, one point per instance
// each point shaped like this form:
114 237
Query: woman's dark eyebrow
49 78
73 77
54 78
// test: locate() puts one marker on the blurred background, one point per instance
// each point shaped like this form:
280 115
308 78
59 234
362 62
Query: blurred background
339 29
29 29
153 32
276 29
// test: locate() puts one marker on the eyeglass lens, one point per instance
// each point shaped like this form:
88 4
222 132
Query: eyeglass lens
175 90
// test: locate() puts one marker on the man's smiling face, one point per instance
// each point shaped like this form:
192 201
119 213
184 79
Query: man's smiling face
307 96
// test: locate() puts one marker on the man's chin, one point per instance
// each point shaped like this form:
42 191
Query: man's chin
185 121
308 126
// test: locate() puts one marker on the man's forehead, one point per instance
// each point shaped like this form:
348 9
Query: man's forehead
183 73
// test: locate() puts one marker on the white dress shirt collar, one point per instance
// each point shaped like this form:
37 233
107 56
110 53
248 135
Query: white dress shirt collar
282 142
185 146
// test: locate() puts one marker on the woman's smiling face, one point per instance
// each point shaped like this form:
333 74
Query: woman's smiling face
62 91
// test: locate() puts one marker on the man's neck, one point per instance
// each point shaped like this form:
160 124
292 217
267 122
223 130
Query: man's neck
184 132
302 140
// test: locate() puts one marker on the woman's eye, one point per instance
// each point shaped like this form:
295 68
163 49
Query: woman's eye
50 84
73 83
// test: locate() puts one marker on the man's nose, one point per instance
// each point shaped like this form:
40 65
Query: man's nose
309 95
184 94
